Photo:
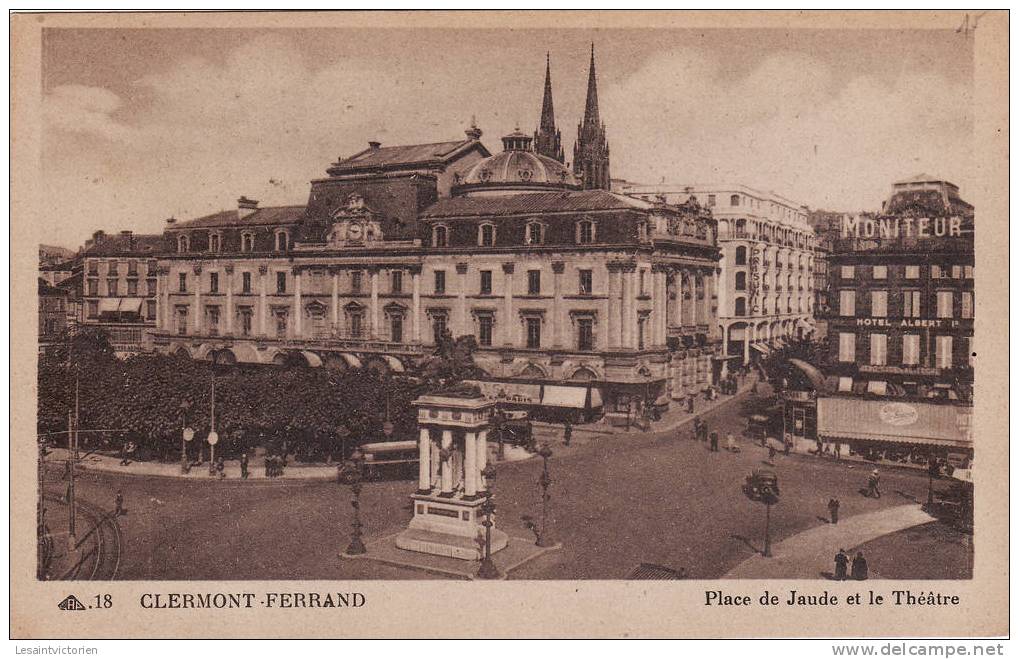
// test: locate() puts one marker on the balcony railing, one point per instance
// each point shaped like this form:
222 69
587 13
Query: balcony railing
352 343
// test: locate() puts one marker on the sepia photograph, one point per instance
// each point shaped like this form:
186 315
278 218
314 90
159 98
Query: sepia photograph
544 302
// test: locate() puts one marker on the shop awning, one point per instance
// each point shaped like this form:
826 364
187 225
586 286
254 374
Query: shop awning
394 363
804 325
761 348
845 384
109 305
130 305
558 396
351 360
778 342
313 360
849 419
596 400
815 376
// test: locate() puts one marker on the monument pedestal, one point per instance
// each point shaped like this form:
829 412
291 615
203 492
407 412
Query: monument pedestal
449 526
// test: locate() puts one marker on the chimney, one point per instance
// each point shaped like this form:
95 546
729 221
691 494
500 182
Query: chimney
126 233
374 146
473 133
246 207
97 237
171 220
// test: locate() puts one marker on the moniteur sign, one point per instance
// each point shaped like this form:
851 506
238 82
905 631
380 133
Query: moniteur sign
901 227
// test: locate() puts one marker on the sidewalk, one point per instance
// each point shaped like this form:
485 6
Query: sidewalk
232 468
810 554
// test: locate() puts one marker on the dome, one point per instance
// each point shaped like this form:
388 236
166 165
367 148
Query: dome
517 169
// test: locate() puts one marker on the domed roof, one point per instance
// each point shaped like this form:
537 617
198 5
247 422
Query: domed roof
516 169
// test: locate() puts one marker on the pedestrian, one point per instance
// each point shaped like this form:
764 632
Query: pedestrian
859 572
703 435
123 455
872 485
771 449
753 387
730 443
567 432
119 503
833 509
689 403
221 467
244 465
697 428
714 442
841 562
838 450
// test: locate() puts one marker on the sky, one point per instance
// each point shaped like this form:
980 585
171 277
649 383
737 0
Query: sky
144 124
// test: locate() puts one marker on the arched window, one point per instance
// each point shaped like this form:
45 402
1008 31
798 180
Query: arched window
741 306
247 242
734 200
282 240
741 281
741 255
534 233
723 228
183 243
585 232
486 235
440 236
214 242
741 228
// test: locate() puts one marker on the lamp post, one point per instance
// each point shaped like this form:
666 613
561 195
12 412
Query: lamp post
763 488
932 471
351 474
213 435
186 435
487 569
544 537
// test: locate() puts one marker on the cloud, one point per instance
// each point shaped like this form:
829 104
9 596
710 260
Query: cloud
188 138
789 124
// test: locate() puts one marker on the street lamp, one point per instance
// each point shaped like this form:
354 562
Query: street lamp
763 488
187 434
351 474
544 537
487 570
932 471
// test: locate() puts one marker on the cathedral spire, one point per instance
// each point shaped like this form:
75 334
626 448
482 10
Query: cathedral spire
547 141
591 151
591 108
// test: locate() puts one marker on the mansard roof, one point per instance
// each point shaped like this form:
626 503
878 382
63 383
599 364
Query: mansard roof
406 156
535 202
268 216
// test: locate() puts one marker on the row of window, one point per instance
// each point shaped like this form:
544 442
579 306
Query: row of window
534 233
910 349
740 258
281 242
92 309
911 304
768 233
113 287
910 271
113 268
800 306
741 282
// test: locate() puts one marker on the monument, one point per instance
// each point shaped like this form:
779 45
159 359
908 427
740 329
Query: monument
453 452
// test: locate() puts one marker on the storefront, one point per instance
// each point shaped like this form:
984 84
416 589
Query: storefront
899 430
554 402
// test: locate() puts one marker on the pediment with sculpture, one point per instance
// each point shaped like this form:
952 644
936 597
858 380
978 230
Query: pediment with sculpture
354 224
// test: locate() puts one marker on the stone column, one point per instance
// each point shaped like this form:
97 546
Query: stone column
447 464
558 267
298 316
481 460
416 303
434 467
424 461
746 344
690 317
373 275
263 308
709 286
198 299
229 270
629 307
335 308
165 316
613 311
660 305
508 324
677 308
460 328
470 465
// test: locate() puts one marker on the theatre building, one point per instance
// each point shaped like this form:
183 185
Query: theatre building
576 296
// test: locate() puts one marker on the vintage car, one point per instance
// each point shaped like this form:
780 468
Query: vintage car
385 457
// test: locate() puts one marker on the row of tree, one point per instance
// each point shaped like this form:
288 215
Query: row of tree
147 400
